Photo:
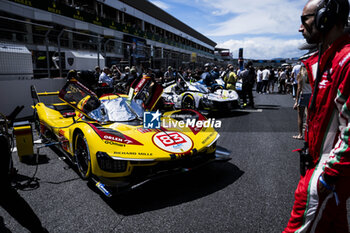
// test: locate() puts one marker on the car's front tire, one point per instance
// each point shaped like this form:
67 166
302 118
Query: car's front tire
188 102
82 155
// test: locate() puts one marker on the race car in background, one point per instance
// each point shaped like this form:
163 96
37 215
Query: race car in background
106 139
195 95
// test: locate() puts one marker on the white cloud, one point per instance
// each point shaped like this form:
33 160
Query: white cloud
264 47
255 17
260 27
161 5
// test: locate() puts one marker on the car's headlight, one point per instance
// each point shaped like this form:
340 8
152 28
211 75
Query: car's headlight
108 164
207 101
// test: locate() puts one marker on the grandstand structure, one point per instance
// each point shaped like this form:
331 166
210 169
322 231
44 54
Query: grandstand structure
121 32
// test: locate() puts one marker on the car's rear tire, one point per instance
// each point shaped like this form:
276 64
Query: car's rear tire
188 102
82 155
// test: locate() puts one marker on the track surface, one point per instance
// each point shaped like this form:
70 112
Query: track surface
251 193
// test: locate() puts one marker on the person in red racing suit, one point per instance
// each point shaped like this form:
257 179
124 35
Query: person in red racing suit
321 195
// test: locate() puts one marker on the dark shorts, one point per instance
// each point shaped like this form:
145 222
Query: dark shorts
304 100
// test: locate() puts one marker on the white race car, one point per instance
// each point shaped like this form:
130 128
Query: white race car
194 95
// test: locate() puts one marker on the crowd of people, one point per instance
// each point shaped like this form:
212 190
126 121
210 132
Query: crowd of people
286 79
266 79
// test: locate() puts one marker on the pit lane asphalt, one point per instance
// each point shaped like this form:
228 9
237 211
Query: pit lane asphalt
251 193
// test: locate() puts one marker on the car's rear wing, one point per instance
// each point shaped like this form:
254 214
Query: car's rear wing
35 96
48 93
79 97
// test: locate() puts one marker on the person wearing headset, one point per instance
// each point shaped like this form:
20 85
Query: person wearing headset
322 192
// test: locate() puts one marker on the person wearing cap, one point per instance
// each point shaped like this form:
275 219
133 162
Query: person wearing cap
226 72
105 77
169 75
71 74
231 79
125 75
248 80
215 73
207 77
131 78
135 69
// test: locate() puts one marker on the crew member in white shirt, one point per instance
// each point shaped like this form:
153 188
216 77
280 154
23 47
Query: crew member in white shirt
105 78
259 81
265 79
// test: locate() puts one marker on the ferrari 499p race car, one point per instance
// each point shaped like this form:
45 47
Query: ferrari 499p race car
106 139
195 95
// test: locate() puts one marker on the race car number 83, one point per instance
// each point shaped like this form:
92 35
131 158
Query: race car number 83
171 139
173 142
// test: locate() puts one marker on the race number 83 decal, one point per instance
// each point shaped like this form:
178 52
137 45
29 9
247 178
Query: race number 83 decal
173 142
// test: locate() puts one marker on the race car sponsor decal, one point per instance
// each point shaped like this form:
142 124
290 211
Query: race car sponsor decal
68 114
125 139
124 153
107 136
113 143
63 140
142 83
205 140
61 133
145 154
172 142
113 135
148 130
43 127
132 153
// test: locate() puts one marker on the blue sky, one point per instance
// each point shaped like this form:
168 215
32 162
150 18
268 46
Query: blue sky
264 28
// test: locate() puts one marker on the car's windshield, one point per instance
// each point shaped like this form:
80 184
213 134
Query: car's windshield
199 87
117 110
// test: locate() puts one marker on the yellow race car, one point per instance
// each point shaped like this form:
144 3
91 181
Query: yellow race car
110 143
